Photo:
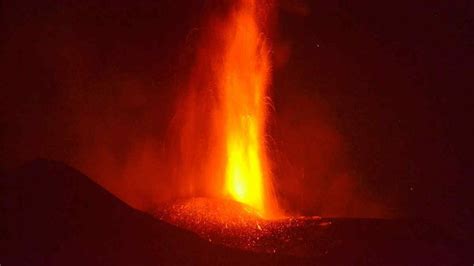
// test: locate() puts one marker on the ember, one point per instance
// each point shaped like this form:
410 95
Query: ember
236 225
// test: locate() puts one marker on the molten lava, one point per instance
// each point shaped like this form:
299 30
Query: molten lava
222 120
243 83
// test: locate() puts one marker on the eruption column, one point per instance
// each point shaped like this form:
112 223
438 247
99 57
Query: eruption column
243 84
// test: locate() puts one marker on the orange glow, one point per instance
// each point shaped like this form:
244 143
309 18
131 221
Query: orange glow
222 119
243 84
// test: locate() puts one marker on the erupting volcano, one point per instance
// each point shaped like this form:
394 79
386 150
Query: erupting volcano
235 132
223 135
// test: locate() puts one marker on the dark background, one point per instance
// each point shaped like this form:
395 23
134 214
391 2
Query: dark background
373 101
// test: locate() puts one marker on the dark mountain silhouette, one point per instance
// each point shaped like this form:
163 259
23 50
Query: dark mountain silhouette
54 215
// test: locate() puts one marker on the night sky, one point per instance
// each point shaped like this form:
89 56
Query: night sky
373 101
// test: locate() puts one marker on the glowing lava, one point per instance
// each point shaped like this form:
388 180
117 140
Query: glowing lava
243 84
222 120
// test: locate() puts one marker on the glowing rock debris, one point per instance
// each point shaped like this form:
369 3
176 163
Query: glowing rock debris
237 225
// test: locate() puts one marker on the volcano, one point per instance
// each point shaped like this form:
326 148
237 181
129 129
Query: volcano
54 215
243 132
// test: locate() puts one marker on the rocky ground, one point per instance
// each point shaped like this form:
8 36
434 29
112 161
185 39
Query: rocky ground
54 215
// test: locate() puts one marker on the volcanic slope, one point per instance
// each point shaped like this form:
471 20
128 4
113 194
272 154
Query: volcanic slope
54 215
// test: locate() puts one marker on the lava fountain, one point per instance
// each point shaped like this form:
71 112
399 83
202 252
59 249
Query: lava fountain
222 139
223 119
243 83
